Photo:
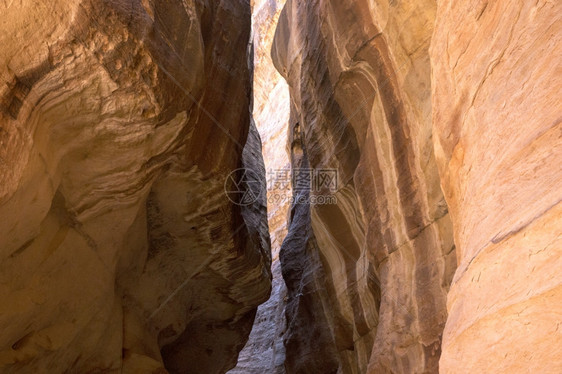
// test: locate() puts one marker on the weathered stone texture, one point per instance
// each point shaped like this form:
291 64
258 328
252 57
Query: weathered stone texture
498 140
379 265
368 277
119 251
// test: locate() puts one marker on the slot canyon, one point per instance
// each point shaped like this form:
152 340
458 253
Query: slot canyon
280 186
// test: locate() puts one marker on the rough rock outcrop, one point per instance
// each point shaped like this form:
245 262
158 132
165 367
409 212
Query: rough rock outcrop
498 142
119 250
264 352
367 276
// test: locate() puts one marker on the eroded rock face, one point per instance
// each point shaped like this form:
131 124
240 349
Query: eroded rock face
119 250
498 141
367 276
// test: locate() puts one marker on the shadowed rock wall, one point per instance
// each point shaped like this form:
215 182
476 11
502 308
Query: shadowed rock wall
369 290
264 352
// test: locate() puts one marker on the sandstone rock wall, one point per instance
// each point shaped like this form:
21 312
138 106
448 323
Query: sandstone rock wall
121 120
368 276
498 141
119 251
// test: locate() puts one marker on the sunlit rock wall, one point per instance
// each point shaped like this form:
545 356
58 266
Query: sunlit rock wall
119 250
497 113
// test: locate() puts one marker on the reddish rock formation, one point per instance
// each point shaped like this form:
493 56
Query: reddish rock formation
498 141
119 251
121 120
368 276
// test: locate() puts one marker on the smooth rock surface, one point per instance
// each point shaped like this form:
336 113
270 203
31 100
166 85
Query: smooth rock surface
497 113
119 249
367 276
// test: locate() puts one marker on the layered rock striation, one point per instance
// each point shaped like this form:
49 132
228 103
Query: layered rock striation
368 275
424 142
119 124
498 141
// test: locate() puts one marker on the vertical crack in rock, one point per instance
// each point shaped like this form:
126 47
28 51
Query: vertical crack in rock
265 352
434 245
